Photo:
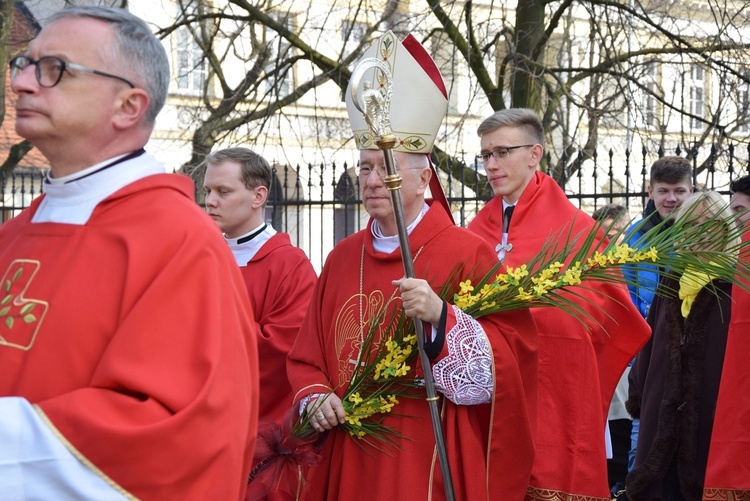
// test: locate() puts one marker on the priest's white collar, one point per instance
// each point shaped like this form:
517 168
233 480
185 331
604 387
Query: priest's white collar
245 247
72 199
388 244
94 168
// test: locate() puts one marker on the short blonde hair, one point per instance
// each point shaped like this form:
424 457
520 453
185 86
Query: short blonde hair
525 119
711 204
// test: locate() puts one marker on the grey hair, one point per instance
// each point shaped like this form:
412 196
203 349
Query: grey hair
514 117
417 161
136 48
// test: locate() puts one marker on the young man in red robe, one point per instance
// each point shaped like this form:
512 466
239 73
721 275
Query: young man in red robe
485 371
278 276
728 468
579 365
126 343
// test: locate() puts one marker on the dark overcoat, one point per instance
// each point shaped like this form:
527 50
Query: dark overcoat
674 384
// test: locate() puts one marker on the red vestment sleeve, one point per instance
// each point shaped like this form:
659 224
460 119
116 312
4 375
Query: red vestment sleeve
306 365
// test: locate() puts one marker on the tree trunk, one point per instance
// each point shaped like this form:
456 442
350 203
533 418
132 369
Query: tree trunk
530 25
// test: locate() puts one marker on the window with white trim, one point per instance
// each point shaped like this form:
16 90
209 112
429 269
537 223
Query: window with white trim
279 76
743 106
649 104
191 65
352 33
444 54
697 96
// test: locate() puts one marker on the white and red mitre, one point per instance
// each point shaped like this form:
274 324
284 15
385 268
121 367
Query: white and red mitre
419 101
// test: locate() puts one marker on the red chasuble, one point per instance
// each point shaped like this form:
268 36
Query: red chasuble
280 281
578 368
133 338
728 469
488 462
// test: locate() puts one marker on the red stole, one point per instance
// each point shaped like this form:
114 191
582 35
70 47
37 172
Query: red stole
578 368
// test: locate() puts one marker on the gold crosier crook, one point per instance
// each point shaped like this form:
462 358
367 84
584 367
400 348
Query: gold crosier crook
375 106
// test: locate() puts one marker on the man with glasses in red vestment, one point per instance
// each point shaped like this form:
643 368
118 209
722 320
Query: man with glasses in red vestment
579 365
127 350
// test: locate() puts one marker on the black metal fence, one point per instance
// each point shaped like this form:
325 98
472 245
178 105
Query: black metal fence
318 205
18 188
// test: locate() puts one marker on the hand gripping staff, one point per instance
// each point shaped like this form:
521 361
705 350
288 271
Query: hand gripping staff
375 106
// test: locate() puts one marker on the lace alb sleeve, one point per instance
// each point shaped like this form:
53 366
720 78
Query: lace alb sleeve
464 376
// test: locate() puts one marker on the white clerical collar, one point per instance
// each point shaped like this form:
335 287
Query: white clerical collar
72 199
388 244
245 247
90 170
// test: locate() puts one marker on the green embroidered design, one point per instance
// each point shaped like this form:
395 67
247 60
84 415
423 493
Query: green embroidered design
20 317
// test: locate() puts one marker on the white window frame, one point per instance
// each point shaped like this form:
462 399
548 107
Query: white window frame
279 49
649 104
191 66
697 96
356 33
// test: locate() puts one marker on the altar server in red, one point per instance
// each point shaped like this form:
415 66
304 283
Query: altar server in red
278 276
579 367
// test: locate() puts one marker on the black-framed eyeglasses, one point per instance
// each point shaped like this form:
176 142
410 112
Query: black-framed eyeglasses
500 152
49 70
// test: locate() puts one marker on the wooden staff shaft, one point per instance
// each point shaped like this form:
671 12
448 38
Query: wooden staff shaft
393 183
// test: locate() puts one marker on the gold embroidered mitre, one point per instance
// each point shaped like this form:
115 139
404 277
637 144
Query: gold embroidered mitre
419 101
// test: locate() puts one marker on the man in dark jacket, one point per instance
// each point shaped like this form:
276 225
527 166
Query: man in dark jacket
669 185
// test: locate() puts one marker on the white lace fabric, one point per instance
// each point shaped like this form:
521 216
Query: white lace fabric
465 376
306 400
